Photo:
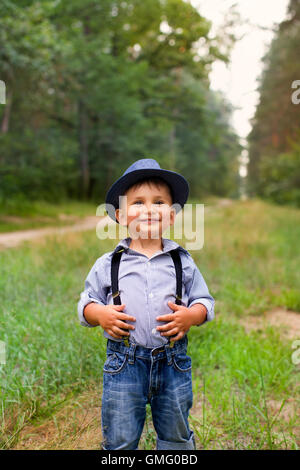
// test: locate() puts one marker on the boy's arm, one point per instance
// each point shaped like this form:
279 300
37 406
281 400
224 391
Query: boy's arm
198 293
197 314
91 312
93 292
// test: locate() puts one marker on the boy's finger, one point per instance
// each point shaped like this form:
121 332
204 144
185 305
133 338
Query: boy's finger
168 317
127 326
177 337
170 332
111 333
119 331
117 307
124 316
172 305
166 327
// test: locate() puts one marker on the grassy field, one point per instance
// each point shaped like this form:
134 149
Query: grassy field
246 387
20 215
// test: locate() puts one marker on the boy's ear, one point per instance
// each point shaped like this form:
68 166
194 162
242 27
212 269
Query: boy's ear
120 216
117 215
172 216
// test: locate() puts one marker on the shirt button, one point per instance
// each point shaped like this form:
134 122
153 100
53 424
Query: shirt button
150 295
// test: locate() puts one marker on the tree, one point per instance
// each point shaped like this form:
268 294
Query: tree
277 119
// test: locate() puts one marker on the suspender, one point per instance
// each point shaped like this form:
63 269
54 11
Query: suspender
178 268
115 263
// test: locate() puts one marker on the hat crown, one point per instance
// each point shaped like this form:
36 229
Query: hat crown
144 163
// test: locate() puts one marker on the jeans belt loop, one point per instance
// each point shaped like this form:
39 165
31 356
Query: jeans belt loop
131 353
169 353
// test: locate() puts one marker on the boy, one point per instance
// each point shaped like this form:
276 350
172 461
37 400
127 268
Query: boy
146 330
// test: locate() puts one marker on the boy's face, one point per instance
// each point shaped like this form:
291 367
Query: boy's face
146 210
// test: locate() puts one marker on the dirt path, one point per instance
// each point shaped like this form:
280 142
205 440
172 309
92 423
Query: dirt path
12 239
287 322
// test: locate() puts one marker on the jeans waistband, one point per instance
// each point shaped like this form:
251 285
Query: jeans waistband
135 350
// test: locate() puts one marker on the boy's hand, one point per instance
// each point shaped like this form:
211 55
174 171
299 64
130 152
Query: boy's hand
110 317
113 320
181 320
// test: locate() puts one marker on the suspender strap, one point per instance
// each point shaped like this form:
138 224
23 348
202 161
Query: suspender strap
178 268
115 263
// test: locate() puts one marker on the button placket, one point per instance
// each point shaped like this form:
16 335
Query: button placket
147 287
154 331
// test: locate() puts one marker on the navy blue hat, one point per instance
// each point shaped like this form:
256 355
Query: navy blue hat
146 167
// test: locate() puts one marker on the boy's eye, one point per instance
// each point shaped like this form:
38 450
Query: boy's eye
141 202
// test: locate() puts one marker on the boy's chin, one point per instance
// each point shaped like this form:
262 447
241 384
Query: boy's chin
148 233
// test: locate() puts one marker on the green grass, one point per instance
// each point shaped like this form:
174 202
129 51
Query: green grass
238 374
250 262
22 215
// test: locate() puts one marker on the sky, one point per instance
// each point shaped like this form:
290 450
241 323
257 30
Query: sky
238 80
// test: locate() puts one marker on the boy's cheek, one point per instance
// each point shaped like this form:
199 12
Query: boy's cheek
133 212
167 217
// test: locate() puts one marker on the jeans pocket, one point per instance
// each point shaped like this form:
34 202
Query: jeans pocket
115 363
182 362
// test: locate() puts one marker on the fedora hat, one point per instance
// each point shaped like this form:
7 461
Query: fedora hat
146 167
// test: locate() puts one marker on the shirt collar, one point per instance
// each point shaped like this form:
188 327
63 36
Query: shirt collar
168 245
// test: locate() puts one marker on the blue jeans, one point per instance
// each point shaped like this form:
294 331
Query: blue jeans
134 376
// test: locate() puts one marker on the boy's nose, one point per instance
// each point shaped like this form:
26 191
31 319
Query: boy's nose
150 208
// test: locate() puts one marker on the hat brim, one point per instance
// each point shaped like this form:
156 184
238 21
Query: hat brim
179 187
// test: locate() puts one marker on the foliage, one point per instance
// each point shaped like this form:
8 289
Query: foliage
274 141
91 86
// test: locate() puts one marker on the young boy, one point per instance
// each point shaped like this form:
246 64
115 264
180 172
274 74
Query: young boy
146 330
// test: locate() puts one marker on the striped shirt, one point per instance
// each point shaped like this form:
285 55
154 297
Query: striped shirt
145 286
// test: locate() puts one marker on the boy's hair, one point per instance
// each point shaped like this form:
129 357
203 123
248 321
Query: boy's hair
156 180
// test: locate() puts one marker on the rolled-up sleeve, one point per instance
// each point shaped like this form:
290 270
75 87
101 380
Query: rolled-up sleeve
198 293
94 291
